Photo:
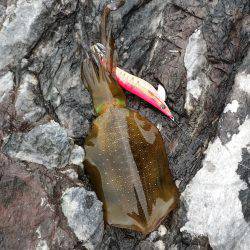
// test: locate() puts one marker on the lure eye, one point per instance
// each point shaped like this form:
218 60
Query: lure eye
163 106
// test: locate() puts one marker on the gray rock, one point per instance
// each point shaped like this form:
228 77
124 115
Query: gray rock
75 111
56 62
212 197
18 32
139 41
196 64
38 41
71 173
77 156
24 23
84 215
6 85
46 144
146 245
27 101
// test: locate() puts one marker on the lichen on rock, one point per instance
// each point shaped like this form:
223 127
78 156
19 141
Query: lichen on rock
27 101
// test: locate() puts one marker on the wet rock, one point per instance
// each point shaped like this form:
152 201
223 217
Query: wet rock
214 192
46 144
222 34
84 215
75 111
131 39
195 8
57 62
18 20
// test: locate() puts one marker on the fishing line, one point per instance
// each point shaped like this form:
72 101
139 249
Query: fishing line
184 132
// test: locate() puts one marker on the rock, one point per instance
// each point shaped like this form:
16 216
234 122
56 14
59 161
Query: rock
57 65
212 197
195 7
24 23
159 245
46 144
77 156
29 217
162 230
71 173
196 64
84 215
6 85
232 107
146 245
75 112
27 101
40 59
19 19
131 37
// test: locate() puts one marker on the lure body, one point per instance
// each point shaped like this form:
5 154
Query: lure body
142 89
126 159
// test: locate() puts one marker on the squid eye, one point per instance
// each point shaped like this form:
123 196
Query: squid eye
163 106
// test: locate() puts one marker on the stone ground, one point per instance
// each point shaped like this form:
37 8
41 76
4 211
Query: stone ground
197 49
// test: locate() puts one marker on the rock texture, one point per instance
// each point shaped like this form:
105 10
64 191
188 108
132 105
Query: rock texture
30 214
84 215
46 144
196 49
212 197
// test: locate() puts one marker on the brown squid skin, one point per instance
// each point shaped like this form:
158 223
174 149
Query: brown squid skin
126 158
128 166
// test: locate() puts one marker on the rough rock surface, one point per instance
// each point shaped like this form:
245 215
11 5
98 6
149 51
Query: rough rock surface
212 197
195 49
46 144
27 102
84 215
30 214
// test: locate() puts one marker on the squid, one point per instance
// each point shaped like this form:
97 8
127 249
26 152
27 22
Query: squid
125 156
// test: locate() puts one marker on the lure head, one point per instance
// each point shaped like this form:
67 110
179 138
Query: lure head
158 103
165 110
